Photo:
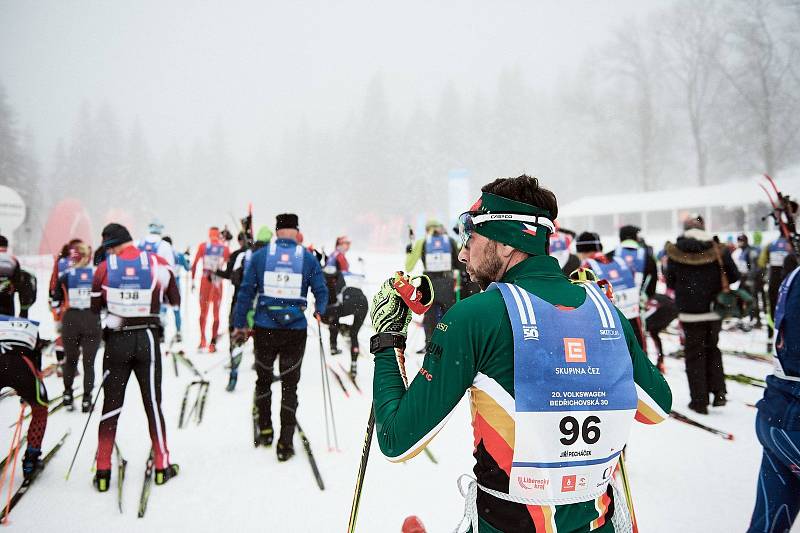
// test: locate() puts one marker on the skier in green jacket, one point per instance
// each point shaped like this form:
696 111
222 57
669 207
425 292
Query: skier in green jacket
555 375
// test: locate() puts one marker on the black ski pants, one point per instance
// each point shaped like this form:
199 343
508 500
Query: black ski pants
80 332
289 345
353 303
18 374
7 304
703 360
136 351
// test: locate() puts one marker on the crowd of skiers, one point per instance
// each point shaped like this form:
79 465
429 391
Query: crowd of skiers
135 285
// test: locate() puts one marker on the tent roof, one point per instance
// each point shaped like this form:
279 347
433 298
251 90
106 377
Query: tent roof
731 194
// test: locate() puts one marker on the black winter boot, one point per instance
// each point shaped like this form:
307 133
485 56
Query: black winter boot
285 451
68 401
265 437
31 461
165 474
86 403
102 479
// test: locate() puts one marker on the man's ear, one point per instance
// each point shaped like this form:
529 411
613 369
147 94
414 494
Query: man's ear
505 251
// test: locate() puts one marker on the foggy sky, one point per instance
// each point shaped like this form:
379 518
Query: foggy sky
259 68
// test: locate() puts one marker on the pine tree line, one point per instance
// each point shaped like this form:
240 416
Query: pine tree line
698 93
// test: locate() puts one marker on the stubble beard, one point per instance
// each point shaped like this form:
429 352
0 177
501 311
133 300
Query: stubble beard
487 270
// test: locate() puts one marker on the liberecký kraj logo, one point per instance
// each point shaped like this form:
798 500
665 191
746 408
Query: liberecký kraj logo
530 483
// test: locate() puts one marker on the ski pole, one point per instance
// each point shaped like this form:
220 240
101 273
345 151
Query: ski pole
85 427
324 404
327 383
17 446
13 454
362 470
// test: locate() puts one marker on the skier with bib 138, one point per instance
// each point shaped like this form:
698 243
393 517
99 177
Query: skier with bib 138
555 374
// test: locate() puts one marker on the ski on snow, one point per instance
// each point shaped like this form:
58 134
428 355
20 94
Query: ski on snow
122 464
147 485
310 454
747 380
686 420
35 474
349 376
5 460
338 379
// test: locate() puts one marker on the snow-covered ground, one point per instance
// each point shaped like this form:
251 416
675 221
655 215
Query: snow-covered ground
683 479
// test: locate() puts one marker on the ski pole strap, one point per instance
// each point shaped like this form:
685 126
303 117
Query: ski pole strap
621 518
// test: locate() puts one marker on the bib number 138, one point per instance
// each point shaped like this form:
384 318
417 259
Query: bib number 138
573 430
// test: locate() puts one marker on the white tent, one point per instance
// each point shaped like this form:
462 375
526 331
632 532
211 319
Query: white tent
735 206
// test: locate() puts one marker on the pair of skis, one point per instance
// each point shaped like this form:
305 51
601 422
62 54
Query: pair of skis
58 406
337 372
303 438
201 385
761 357
147 485
26 484
198 407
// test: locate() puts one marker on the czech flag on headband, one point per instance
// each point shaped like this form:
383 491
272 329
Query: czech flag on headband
530 230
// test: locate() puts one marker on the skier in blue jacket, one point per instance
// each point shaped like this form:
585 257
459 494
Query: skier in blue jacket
279 276
778 421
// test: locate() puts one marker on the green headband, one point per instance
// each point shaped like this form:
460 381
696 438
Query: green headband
530 235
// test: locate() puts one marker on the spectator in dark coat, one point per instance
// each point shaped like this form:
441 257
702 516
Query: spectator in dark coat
693 272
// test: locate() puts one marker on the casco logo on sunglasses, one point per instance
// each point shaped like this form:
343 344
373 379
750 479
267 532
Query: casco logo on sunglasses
492 217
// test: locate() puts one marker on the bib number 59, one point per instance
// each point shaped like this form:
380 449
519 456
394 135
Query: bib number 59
590 431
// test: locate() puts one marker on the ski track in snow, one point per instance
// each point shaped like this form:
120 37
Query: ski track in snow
683 479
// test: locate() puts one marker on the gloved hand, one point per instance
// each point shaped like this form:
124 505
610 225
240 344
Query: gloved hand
239 336
389 312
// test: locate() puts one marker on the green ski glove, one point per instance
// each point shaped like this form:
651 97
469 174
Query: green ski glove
389 312
397 297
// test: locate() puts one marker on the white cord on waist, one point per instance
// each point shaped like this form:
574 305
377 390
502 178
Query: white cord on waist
621 518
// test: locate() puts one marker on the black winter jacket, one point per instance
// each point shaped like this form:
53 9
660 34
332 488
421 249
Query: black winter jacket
694 273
